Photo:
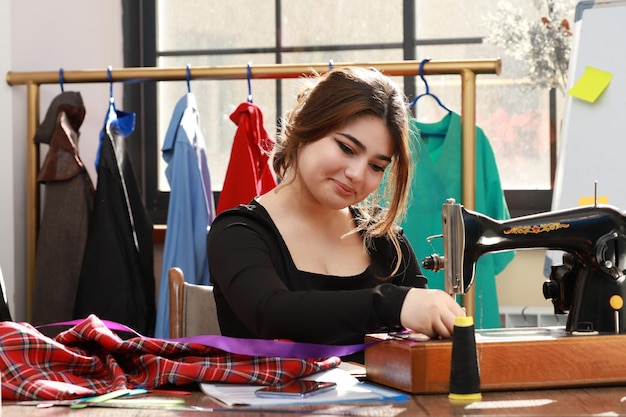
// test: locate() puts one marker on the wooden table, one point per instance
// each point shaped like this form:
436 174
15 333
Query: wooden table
579 401
510 359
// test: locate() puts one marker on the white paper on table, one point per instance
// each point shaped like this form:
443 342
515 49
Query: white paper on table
349 389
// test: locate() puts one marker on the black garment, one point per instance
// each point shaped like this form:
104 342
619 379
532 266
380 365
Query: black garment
261 294
5 313
117 277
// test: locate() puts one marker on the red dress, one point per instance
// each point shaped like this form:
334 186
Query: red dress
249 173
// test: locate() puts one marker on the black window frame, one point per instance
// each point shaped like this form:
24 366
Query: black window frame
139 34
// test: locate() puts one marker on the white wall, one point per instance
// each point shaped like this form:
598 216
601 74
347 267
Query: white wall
8 223
521 283
43 35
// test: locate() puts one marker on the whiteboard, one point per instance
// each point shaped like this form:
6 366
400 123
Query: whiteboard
592 145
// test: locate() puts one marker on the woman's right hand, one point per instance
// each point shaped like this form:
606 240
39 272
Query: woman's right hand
430 312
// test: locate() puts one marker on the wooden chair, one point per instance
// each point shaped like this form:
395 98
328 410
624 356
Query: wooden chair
192 307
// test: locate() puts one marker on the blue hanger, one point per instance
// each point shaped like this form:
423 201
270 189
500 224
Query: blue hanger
188 78
110 78
61 80
249 76
427 92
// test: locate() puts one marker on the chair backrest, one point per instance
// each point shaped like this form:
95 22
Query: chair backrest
192 307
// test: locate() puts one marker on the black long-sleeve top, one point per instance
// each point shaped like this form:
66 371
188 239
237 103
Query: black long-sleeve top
260 293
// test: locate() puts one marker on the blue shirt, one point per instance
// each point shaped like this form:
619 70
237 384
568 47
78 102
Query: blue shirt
191 207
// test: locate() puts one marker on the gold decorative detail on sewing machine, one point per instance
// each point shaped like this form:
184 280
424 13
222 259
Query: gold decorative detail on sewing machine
536 229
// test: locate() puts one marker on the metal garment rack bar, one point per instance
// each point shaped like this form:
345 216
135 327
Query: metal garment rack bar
467 69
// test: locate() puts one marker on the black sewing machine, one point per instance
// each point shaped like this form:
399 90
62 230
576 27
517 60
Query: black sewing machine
589 285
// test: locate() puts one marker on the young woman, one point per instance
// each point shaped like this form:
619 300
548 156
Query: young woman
320 258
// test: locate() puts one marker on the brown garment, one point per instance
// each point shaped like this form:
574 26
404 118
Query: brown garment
69 102
68 202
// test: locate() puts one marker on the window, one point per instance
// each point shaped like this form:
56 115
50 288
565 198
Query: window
175 33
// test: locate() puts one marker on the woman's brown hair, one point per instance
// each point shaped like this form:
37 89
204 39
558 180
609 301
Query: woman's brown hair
338 97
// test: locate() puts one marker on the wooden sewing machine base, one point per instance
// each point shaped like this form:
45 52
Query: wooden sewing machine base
509 359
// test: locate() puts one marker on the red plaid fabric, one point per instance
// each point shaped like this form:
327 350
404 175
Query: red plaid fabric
91 356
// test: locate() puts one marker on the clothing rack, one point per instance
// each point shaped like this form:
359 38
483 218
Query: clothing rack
467 69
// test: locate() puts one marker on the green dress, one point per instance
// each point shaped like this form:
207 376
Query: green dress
437 177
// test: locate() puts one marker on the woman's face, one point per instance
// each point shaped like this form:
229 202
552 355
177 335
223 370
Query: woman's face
348 164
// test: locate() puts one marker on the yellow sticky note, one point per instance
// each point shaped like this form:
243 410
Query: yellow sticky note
591 84
589 200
